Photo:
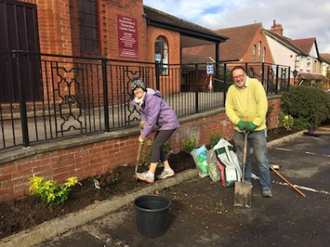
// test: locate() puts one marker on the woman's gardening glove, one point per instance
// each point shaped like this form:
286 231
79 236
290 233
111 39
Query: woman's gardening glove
251 126
242 125
142 125
142 139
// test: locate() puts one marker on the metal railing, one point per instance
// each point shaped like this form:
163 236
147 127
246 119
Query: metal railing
44 97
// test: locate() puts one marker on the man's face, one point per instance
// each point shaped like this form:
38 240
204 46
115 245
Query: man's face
239 77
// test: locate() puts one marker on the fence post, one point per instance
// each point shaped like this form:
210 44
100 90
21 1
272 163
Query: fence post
289 78
263 74
225 83
276 89
157 64
22 101
105 95
196 88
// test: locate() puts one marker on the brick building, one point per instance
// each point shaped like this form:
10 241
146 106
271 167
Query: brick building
50 41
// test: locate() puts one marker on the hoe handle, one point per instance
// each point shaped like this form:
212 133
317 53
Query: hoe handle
291 185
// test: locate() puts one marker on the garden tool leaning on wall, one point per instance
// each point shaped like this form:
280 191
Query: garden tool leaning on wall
242 197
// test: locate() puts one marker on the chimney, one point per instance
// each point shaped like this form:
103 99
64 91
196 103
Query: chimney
276 28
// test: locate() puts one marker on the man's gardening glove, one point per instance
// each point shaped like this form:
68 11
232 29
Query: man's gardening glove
251 126
142 139
142 125
242 125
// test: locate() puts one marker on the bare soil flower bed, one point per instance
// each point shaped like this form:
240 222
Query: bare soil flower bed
24 213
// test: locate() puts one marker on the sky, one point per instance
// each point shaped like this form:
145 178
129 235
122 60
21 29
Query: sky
299 18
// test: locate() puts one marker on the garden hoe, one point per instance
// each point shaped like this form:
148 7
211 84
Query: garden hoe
243 189
138 160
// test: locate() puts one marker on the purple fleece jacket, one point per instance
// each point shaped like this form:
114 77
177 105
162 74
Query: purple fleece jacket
155 111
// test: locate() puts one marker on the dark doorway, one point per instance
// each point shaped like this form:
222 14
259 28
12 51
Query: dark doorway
19 32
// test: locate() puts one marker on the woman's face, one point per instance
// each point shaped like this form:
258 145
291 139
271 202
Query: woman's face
138 92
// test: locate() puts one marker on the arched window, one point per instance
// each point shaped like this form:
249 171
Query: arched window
259 51
254 53
264 55
161 54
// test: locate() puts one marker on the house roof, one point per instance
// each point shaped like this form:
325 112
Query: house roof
190 33
325 57
285 42
240 39
310 76
305 44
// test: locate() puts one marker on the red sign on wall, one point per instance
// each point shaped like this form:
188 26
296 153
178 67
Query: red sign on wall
127 37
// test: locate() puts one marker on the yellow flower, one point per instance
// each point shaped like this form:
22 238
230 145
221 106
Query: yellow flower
71 181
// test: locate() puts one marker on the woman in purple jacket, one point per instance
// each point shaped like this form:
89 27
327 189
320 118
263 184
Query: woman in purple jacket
154 111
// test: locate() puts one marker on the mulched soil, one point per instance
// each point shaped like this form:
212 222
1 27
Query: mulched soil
24 213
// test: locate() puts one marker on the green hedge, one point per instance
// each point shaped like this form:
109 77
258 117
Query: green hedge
309 106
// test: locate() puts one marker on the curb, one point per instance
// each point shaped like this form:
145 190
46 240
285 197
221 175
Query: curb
52 228
285 139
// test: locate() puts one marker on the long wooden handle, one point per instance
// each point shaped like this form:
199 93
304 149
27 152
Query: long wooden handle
291 185
137 160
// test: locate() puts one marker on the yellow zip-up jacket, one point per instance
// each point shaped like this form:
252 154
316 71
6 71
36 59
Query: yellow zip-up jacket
248 104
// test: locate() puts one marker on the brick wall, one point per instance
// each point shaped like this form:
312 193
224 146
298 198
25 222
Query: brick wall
59 26
83 160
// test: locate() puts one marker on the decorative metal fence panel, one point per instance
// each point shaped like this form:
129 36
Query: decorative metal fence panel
74 96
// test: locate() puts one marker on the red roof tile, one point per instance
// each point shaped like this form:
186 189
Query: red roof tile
304 44
240 38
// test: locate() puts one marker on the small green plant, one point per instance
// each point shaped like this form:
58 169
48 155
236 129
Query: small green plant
105 179
286 121
146 157
191 144
49 191
214 139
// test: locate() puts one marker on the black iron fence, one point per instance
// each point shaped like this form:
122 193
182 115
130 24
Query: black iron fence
44 97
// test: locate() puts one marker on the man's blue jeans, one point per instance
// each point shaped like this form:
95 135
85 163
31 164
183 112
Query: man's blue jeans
256 140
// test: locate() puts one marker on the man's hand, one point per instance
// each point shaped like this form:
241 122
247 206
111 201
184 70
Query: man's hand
142 125
251 126
242 125
142 139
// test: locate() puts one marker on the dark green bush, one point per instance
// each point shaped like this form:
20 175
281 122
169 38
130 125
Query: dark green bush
309 106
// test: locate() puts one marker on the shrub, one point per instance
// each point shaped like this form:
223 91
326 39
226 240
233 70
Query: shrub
49 191
286 121
309 106
190 144
146 156
214 139
105 179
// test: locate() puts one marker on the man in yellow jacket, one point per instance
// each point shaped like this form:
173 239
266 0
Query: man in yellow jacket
246 108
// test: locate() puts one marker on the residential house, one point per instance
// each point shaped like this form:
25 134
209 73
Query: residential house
246 44
325 58
301 55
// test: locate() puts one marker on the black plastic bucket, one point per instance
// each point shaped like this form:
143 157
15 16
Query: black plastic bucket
151 215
